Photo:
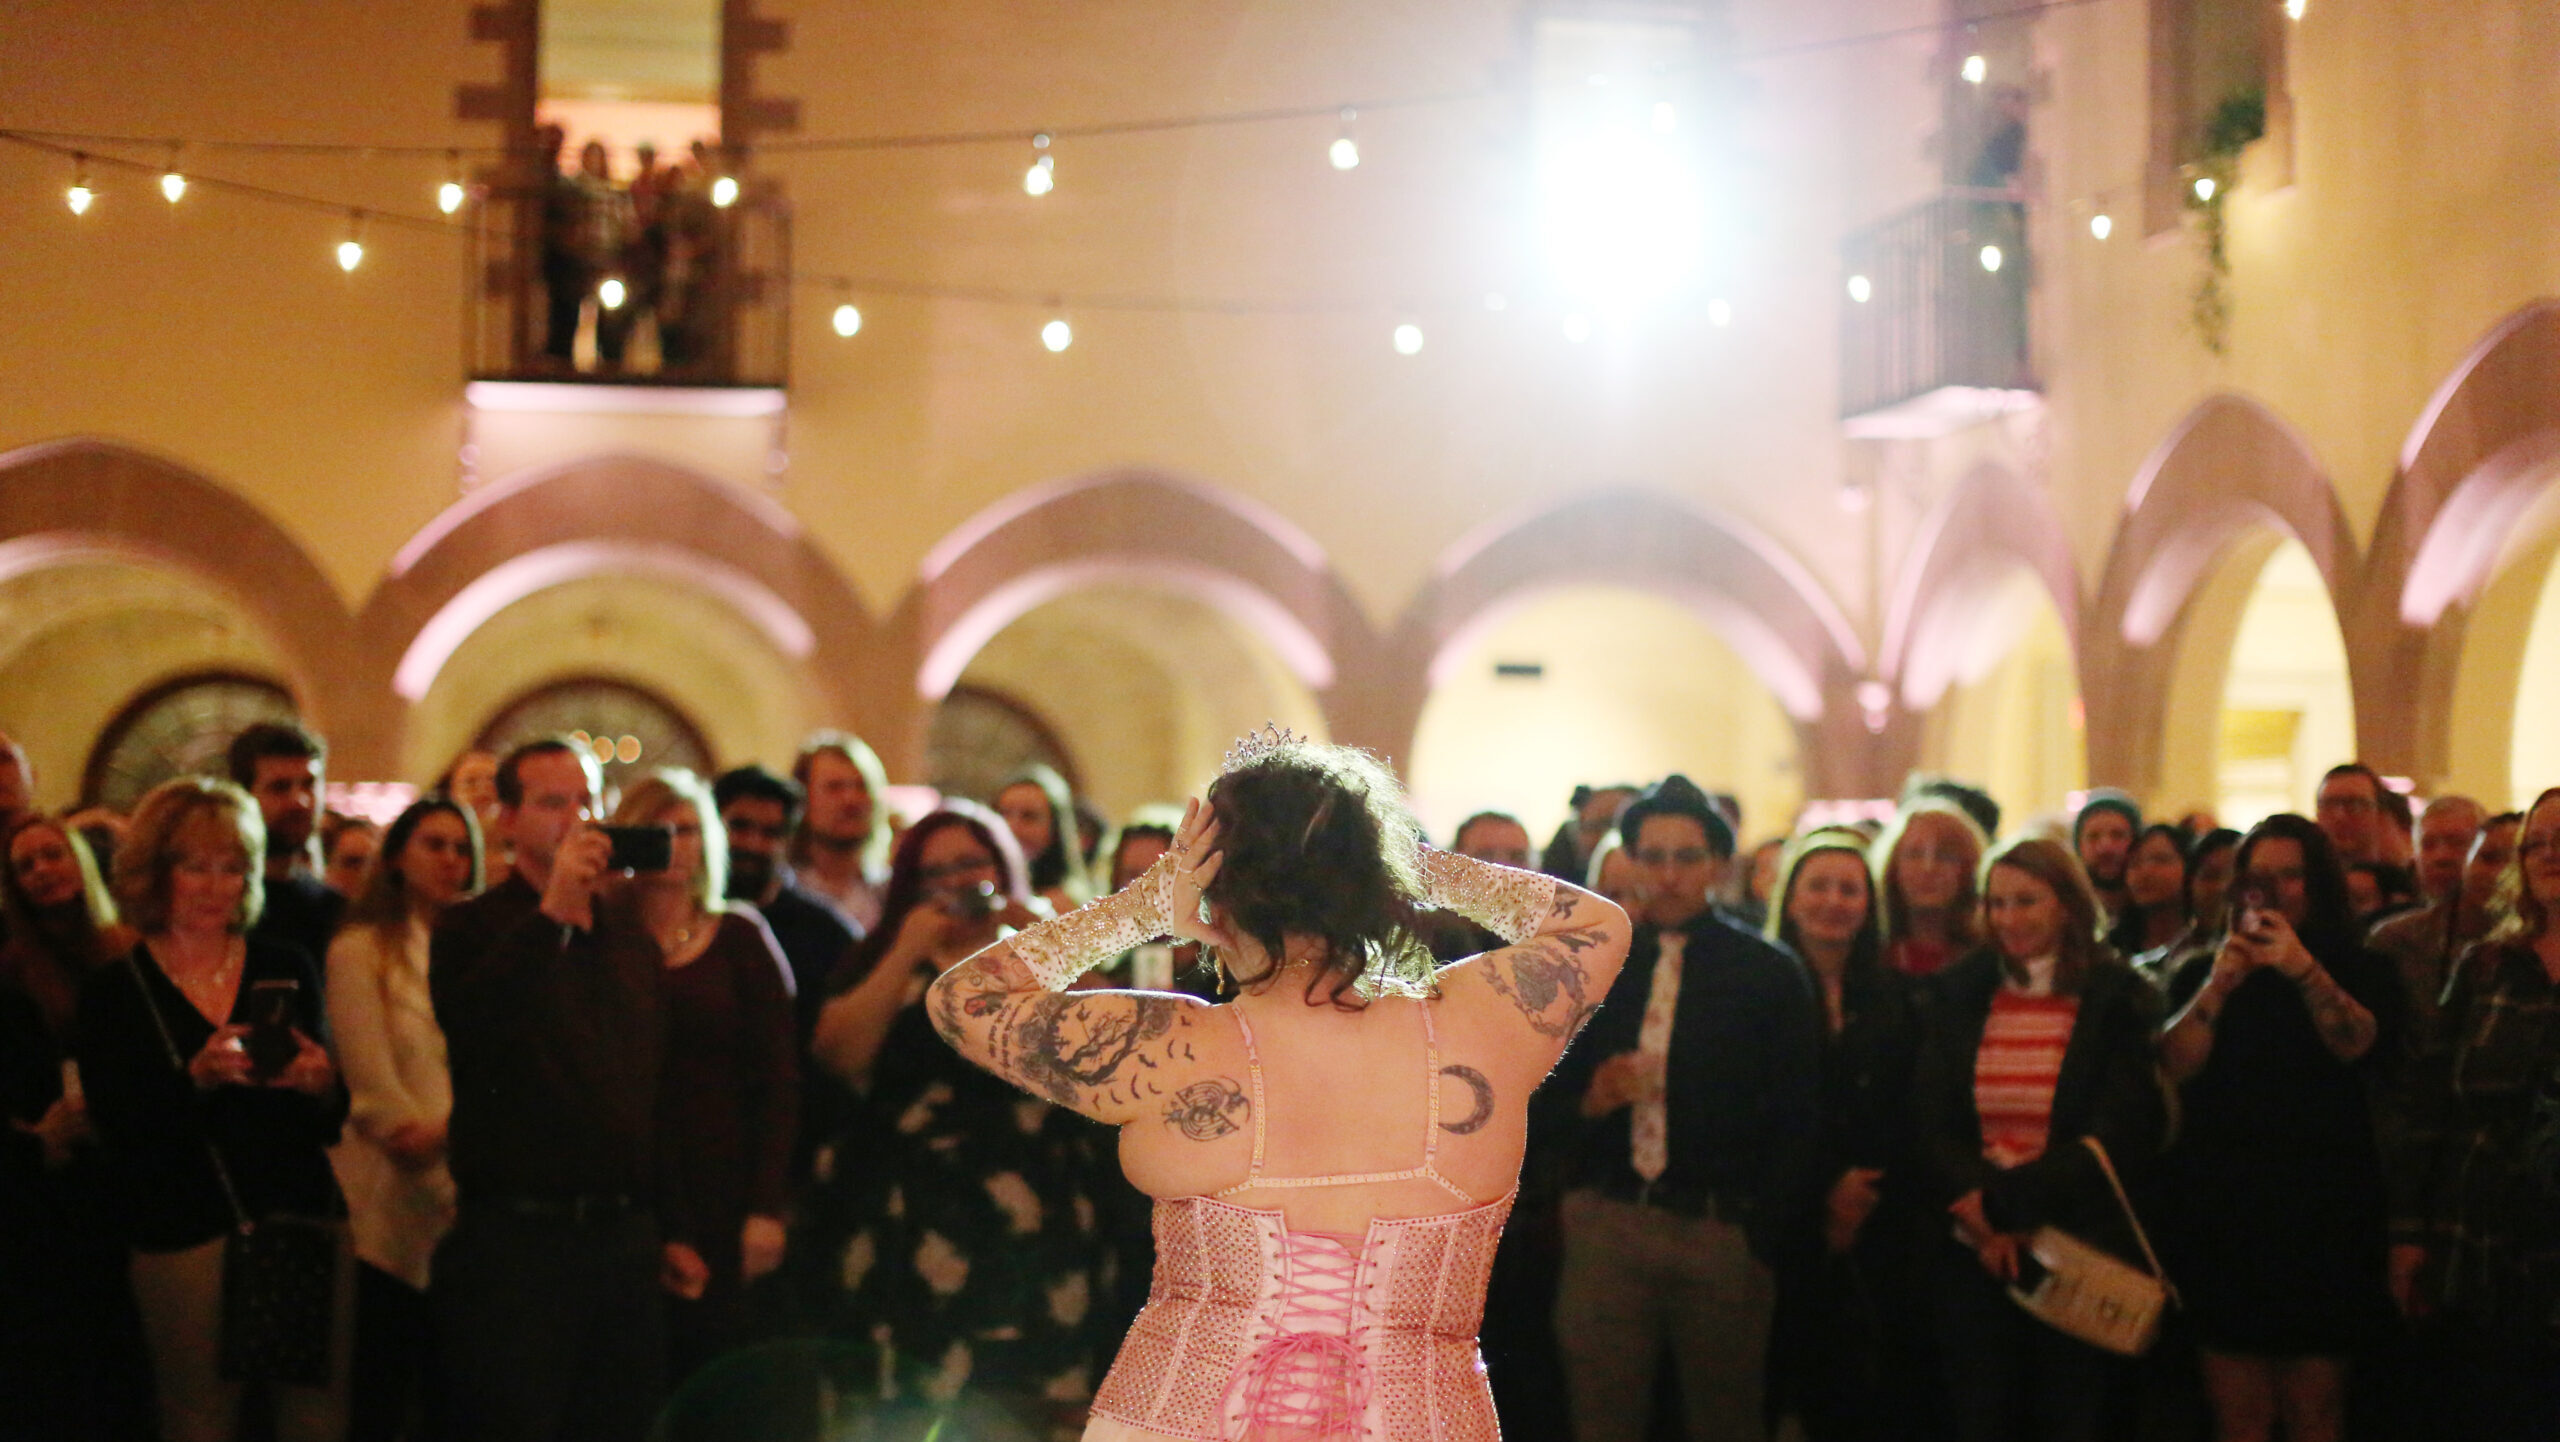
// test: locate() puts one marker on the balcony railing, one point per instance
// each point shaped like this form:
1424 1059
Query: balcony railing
719 314
1944 288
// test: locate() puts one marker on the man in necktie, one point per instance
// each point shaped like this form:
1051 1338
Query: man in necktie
1695 1086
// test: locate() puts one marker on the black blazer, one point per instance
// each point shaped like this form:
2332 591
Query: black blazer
2109 1088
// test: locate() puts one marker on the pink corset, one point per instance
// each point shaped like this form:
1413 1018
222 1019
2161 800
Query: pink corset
1253 1333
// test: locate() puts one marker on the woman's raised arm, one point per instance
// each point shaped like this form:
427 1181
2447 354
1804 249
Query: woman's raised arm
1566 943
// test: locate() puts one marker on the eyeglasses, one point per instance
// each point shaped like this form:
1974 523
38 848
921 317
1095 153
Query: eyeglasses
953 870
1676 856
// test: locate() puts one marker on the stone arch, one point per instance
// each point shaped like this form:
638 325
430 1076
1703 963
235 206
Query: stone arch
84 497
1992 523
619 515
2231 468
1759 598
1136 524
2482 453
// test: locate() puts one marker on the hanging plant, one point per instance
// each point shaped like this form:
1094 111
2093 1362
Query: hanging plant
2238 121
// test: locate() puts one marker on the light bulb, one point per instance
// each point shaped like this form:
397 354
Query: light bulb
724 191
1991 257
2293 9
449 196
1577 327
174 186
1057 335
848 319
1976 69
1861 289
78 197
1408 340
2102 225
1719 312
350 254
612 294
2204 187
1042 177
1344 153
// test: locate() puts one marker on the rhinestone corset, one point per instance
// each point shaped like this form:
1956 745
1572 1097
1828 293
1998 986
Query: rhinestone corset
1246 1335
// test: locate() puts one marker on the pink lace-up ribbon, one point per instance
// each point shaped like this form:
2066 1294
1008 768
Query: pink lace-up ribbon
1310 1382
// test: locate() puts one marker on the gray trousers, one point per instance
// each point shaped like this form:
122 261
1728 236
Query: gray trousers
1637 1279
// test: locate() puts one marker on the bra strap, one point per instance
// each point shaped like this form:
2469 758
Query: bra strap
1253 1071
1431 1082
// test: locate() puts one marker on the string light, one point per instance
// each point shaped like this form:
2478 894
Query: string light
2204 188
449 196
1861 289
1345 151
612 293
2293 9
848 320
173 183
724 191
351 249
1042 177
1408 339
2101 225
79 195
1057 335
1976 70
1991 258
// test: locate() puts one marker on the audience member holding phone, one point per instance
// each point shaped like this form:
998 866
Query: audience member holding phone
2276 1182
201 1055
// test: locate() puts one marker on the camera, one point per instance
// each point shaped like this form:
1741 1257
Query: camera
270 1043
642 848
974 903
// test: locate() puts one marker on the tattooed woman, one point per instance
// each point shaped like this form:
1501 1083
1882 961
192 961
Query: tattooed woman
1333 1151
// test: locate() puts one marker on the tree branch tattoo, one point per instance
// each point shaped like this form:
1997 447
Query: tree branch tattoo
1063 1045
1482 1090
1207 1110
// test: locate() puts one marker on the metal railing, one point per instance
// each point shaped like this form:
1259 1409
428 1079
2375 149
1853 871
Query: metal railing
1945 287
717 315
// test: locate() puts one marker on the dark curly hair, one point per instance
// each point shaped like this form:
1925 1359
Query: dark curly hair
1319 843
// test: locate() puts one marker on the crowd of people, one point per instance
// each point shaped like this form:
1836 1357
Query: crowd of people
617 1112
654 235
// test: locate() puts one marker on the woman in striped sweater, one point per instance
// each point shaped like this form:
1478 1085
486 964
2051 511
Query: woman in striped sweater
2039 1038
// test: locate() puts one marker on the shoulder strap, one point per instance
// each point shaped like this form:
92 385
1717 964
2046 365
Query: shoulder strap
2098 1149
1431 1081
1253 1070
169 1044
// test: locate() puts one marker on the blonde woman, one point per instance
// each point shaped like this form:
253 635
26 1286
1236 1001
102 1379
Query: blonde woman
264 1100
1925 871
729 1083
392 1164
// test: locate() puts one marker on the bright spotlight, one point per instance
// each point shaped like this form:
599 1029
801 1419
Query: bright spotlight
1861 289
848 319
1991 258
2102 225
1057 336
724 191
1976 69
1408 340
612 294
1623 214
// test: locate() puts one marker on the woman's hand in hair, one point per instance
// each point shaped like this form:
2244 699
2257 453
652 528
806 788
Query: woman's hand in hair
1195 860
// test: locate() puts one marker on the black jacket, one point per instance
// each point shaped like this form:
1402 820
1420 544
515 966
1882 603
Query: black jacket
1744 1076
2109 1088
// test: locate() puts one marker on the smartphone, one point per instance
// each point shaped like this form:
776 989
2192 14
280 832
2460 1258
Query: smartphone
270 1042
974 903
2253 901
642 848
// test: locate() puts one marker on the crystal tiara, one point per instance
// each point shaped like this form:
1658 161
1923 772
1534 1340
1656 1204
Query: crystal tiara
1255 745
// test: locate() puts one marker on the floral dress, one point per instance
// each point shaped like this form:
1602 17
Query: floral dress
961 1231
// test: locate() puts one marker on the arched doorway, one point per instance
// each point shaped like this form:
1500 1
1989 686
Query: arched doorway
627 726
1141 687
1576 684
88 644
2008 714
2287 712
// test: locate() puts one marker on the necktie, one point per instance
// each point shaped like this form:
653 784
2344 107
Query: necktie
1652 1136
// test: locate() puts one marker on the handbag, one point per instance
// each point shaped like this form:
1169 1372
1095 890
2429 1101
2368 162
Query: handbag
2085 1292
279 1273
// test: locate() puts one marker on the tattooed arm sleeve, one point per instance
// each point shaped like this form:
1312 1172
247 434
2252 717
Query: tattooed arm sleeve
1115 1056
1557 974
